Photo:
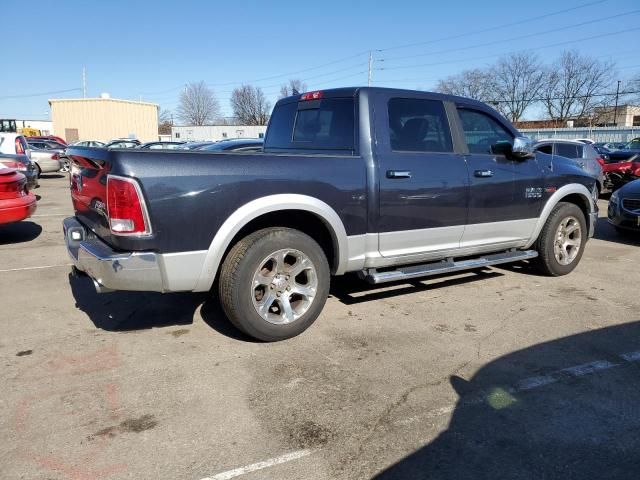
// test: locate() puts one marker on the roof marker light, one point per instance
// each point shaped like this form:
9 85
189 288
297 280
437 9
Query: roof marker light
311 96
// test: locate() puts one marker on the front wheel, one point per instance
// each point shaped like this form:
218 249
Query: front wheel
65 166
561 242
274 283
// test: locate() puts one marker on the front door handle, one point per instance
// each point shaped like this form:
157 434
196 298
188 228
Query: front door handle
483 173
398 174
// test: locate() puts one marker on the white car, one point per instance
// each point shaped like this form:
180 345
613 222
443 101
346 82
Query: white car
16 144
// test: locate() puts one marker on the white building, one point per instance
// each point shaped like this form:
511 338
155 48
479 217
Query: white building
216 132
45 126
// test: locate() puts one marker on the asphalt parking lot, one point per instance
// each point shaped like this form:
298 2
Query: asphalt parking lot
492 374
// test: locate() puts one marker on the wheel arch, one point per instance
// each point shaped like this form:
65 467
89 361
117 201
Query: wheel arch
307 214
574 193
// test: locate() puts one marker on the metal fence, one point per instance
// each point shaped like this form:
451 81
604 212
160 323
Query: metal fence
597 134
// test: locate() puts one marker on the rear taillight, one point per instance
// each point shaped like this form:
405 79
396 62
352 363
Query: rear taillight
600 160
56 156
17 165
125 207
19 147
19 187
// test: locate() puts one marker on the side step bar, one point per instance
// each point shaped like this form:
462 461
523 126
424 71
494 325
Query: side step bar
446 266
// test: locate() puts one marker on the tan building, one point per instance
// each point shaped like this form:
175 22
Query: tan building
104 119
623 116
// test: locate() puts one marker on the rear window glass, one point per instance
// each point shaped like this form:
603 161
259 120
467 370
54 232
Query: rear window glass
326 124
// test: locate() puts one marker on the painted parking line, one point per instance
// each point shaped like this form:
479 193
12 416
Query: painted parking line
236 472
35 268
532 383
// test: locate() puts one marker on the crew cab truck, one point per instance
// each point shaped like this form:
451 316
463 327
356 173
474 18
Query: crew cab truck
393 184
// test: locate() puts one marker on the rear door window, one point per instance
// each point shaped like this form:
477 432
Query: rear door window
418 125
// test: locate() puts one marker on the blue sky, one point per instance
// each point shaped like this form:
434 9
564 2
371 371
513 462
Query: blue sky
149 50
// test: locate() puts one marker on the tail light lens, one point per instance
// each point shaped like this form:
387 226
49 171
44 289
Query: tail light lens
20 150
125 207
600 160
56 156
17 165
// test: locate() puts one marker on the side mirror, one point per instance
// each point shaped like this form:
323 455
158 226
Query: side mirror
521 149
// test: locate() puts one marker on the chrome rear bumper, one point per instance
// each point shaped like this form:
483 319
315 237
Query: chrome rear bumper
110 269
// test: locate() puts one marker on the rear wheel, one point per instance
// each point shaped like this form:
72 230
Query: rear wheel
65 166
39 170
274 283
561 242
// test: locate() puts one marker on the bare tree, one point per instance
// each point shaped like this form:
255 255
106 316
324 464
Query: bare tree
575 85
250 106
198 105
517 79
294 87
165 122
474 84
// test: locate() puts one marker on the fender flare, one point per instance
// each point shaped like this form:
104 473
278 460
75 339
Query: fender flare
263 205
557 197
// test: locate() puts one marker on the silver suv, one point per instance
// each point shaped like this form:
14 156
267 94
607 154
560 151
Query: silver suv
584 155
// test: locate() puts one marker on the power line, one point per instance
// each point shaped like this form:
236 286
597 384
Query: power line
42 94
497 27
520 37
591 37
566 97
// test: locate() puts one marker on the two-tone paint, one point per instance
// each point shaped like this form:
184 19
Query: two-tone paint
197 202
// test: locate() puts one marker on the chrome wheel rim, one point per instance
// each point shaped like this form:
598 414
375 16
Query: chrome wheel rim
284 286
65 167
568 240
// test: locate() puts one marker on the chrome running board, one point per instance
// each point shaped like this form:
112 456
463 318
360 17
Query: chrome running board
449 265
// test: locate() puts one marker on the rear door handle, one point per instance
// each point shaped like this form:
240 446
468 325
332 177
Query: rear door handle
398 174
483 173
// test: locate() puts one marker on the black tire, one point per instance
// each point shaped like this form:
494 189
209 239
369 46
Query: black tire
39 170
546 262
236 282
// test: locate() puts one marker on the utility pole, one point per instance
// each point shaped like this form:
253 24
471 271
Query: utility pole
84 83
615 109
370 68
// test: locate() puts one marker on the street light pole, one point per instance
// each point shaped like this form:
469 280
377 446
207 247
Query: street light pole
370 65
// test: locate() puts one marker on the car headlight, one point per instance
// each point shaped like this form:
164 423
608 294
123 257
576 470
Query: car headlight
614 198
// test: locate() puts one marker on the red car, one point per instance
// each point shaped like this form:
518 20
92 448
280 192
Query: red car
616 174
16 202
49 137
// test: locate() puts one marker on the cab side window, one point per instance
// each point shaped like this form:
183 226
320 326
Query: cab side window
482 132
417 125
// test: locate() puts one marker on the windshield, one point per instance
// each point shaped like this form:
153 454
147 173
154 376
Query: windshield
633 144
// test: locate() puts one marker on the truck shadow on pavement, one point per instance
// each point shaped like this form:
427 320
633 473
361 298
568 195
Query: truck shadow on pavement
564 409
19 232
126 311
350 290
130 311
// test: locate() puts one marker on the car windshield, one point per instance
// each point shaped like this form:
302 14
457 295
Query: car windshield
633 144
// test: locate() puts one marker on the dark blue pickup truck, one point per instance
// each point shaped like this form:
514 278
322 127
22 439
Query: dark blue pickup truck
393 184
